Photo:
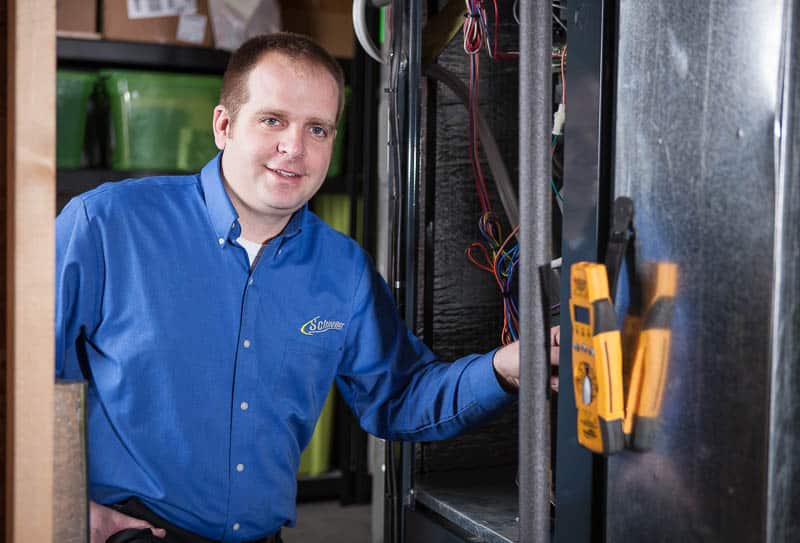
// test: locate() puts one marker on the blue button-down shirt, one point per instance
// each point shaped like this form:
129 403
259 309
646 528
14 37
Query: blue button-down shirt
207 375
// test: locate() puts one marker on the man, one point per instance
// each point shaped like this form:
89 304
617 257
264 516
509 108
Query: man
212 312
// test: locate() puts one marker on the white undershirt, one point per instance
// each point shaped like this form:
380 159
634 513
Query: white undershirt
252 248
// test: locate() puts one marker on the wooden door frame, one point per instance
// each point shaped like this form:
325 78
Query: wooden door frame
30 140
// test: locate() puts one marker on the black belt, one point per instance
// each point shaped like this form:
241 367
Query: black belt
133 507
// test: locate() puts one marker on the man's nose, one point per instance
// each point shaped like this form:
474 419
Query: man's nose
291 142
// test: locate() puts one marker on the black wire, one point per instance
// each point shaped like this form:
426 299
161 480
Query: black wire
392 496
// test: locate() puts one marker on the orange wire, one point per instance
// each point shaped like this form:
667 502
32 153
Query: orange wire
480 265
499 253
505 335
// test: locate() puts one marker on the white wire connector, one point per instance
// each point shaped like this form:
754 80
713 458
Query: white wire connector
559 117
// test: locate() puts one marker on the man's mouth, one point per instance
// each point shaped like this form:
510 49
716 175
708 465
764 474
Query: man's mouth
284 173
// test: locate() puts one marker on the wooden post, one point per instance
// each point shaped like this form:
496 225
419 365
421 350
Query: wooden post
29 268
3 209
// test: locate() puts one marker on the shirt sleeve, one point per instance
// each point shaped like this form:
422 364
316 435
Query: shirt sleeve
78 282
397 387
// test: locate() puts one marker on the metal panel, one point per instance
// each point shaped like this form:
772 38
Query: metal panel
587 146
421 525
696 104
783 499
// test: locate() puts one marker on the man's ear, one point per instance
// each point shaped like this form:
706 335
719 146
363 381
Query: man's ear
222 126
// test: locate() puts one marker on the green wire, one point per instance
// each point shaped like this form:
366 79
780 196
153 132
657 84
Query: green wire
555 189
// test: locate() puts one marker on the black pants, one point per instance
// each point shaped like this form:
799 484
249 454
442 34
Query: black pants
135 508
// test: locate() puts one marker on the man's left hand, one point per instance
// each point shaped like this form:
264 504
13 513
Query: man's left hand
506 362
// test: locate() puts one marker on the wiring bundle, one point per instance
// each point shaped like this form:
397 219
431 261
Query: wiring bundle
496 254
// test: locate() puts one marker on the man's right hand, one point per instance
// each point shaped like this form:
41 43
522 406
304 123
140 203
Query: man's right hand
105 522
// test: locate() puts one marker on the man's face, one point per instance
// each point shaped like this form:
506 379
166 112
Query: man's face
277 150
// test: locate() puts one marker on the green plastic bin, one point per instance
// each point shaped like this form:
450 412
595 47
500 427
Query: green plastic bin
73 89
334 209
336 166
316 457
160 121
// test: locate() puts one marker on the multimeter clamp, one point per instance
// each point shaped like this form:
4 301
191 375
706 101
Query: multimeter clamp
620 241
601 379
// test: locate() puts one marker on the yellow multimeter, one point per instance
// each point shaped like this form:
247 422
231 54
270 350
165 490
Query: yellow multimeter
596 359
651 361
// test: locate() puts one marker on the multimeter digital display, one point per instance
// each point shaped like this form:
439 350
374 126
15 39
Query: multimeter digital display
596 360
581 314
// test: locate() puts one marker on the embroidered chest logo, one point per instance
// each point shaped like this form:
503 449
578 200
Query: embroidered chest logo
318 326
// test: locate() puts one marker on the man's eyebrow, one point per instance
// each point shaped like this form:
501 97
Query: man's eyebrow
267 111
323 122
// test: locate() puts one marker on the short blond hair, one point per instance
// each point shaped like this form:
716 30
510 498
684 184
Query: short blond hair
295 46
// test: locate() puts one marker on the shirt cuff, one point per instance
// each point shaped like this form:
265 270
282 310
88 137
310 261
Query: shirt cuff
484 384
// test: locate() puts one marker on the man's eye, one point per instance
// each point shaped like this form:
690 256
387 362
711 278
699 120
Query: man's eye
271 121
319 131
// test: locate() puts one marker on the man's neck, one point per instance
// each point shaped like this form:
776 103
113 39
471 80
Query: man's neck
258 229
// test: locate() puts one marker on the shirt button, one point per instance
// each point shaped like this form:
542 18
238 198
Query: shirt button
246 344
250 281
244 406
240 467
236 526
221 241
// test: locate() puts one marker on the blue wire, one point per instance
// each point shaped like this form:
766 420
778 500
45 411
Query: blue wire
555 189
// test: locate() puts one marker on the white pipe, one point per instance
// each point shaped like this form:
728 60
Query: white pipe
360 27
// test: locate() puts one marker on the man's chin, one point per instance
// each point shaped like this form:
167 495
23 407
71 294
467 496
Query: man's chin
284 208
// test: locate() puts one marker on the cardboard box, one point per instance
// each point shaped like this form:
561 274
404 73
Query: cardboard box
76 16
191 28
328 22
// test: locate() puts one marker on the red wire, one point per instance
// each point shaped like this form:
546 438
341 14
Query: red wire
472 129
499 253
487 205
485 266
490 251
496 31
495 54
477 170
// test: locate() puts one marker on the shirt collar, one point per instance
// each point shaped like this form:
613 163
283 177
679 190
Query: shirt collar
220 208
224 217
295 224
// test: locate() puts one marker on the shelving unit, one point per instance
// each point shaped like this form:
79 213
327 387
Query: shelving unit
73 52
350 481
